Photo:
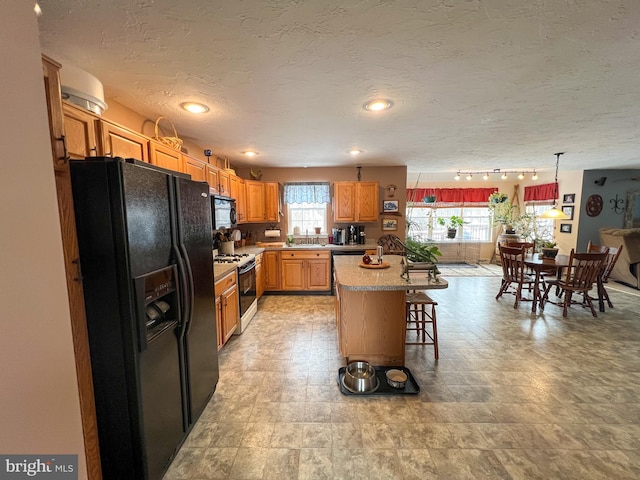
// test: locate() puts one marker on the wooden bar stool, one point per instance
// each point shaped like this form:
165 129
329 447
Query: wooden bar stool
418 314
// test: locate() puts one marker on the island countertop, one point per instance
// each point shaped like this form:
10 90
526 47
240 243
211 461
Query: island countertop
351 276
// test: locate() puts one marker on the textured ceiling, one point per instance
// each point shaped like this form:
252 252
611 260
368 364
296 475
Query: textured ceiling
476 84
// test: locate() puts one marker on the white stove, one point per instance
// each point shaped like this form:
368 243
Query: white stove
235 258
246 268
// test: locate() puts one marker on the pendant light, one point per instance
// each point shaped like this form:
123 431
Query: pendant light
554 212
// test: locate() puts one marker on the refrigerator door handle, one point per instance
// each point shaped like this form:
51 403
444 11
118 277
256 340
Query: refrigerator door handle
185 304
189 281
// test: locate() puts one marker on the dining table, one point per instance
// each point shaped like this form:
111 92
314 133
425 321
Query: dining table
541 264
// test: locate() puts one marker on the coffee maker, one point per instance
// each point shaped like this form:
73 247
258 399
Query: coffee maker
338 236
352 235
361 234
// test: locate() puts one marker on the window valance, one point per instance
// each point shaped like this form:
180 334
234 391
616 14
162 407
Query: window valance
306 192
458 196
537 193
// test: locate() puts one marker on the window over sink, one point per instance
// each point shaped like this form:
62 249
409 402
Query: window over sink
307 205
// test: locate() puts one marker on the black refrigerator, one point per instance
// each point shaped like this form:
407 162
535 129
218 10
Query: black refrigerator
144 236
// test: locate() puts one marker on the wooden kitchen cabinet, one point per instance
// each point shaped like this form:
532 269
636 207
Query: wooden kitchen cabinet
224 187
75 292
272 201
255 207
165 157
271 265
116 141
196 168
259 276
212 178
80 128
237 188
227 307
355 201
305 270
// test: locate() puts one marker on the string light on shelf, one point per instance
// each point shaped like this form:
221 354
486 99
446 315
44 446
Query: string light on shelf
504 174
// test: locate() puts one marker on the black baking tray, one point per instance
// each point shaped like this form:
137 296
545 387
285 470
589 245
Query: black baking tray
411 387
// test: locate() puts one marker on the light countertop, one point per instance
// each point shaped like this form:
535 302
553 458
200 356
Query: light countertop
353 277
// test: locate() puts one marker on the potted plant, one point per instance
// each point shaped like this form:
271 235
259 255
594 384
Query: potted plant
422 253
548 249
498 197
452 223
502 211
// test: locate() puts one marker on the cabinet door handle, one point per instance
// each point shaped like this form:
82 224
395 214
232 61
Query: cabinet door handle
78 277
65 155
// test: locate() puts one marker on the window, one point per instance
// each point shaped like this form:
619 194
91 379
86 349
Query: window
307 205
307 216
543 227
423 223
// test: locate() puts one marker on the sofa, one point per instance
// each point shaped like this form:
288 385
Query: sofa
627 268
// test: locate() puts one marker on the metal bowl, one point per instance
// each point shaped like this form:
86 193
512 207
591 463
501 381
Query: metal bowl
360 377
396 378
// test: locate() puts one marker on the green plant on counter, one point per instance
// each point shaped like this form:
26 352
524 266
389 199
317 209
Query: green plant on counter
418 251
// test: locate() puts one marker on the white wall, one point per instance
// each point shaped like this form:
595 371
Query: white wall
39 405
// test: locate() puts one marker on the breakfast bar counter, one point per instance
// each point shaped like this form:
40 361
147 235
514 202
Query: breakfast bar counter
370 308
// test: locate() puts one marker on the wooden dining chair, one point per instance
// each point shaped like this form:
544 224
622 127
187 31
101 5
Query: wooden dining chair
592 248
607 267
581 274
529 247
513 272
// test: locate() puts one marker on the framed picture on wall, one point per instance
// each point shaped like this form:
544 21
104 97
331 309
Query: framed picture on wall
569 198
390 206
568 211
389 224
565 228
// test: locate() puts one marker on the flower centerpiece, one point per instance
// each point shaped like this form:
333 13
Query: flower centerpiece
548 248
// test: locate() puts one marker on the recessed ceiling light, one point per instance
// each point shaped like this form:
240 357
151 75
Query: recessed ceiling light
250 153
354 151
377 105
194 107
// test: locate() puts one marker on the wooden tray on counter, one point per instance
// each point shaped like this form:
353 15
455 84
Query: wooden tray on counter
374 265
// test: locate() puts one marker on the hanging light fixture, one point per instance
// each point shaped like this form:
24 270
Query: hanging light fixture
554 212
457 177
534 176
485 176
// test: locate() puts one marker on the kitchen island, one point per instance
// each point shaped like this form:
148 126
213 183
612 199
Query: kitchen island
370 308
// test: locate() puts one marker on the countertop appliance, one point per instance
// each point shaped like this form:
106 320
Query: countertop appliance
223 210
352 235
361 235
248 303
144 236
338 236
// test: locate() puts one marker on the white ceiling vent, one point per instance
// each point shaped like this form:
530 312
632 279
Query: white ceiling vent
82 88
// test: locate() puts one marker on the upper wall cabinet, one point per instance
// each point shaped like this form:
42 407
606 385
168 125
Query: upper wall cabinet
80 132
116 141
272 201
224 186
255 208
196 168
237 189
355 201
165 157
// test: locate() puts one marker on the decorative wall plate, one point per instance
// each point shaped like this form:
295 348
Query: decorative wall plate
594 205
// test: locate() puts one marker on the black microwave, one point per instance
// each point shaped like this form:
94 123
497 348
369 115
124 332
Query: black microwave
223 210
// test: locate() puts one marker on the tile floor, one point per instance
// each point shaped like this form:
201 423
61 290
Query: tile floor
514 395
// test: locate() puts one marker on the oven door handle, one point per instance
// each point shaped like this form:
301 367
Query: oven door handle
247 267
